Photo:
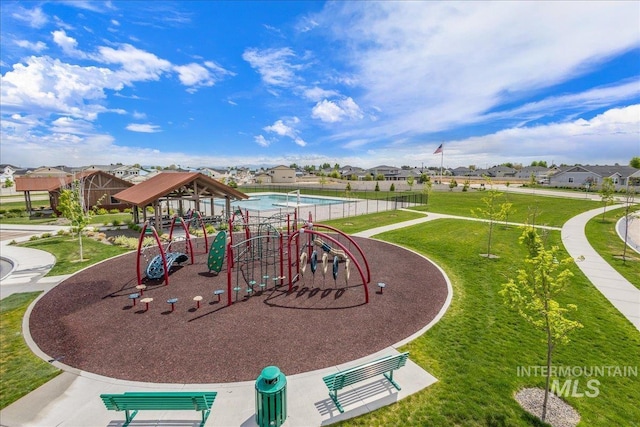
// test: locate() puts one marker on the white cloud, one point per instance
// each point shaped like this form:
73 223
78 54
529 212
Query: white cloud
273 65
196 75
136 64
36 47
138 115
336 111
193 74
35 17
316 94
281 129
591 99
143 128
610 137
262 141
284 129
435 66
47 86
67 44
115 22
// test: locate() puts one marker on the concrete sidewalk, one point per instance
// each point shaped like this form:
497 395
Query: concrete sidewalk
72 398
622 294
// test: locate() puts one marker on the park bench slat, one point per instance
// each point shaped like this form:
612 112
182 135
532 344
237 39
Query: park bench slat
136 401
384 366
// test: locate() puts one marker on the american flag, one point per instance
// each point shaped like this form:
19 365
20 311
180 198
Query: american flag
438 150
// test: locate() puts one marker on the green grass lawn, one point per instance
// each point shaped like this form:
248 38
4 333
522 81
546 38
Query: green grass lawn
66 251
604 239
21 371
364 222
476 349
551 211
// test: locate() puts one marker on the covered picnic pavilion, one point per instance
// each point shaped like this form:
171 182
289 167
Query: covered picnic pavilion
181 190
97 187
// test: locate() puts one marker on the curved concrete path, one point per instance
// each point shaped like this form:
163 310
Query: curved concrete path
622 294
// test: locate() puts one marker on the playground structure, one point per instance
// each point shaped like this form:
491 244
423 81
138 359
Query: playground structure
260 253
277 251
166 255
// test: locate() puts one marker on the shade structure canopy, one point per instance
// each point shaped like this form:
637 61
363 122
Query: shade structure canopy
178 186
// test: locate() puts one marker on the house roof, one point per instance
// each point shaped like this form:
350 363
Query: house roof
177 184
52 183
603 171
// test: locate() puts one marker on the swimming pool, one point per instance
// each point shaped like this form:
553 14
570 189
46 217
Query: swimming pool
271 201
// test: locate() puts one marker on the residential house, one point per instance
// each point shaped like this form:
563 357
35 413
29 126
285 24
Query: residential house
47 171
592 176
347 172
390 173
540 174
282 175
501 172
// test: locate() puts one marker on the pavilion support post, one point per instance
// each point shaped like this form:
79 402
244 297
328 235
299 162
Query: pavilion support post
227 207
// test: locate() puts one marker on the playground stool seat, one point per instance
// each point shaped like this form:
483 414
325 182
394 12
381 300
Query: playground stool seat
146 300
381 285
172 301
218 292
141 288
134 297
197 299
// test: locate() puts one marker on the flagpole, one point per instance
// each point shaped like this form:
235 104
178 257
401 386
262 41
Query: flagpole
441 162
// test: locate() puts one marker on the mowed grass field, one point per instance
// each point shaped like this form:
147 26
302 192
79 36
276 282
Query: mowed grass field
476 349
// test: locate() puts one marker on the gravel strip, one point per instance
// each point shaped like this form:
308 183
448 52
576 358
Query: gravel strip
559 413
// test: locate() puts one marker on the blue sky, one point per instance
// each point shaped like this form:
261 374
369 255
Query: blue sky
221 83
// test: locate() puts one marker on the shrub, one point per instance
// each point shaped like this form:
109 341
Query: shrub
13 242
115 222
127 210
210 229
3 211
126 242
46 235
392 188
34 237
114 211
62 232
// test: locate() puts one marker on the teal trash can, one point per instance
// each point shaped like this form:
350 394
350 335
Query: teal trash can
271 397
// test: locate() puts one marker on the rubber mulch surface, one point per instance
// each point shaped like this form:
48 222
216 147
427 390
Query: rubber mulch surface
88 321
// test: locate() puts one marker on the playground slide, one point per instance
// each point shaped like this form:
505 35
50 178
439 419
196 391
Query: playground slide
155 269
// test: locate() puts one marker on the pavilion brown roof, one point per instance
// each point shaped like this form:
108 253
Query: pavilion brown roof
52 183
177 184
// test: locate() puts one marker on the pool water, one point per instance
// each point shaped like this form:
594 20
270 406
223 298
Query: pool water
270 201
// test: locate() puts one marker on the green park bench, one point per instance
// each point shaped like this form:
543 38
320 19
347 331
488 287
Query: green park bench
384 366
132 402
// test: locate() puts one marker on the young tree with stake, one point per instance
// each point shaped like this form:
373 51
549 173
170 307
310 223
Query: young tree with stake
533 295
